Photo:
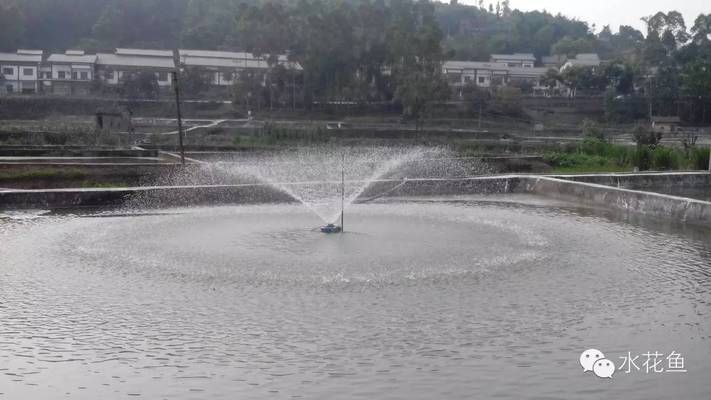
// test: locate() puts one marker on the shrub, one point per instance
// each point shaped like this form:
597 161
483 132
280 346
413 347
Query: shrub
644 136
699 158
664 158
642 158
592 130
594 146
56 138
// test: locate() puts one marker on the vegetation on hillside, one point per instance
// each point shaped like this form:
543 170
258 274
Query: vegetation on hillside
386 50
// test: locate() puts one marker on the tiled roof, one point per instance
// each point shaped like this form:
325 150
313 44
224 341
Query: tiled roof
215 54
587 57
30 52
144 52
21 58
527 72
135 61
68 58
515 56
474 65
227 59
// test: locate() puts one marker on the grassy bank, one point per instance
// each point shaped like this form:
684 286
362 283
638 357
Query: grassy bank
595 155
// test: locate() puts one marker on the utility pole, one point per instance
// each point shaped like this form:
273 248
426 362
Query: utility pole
180 117
480 107
651 98
343 188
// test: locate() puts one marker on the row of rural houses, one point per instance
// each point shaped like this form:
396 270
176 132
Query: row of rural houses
512 69
74 72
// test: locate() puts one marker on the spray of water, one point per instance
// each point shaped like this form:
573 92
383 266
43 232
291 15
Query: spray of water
312 175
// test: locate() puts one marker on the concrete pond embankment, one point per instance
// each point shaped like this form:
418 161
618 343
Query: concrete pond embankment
611 191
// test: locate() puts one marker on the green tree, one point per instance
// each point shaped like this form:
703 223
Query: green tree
140 85
701 31
571 47
416 57
12 26
194 81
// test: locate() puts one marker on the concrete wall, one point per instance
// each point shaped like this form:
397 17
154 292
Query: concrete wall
645 180
633 201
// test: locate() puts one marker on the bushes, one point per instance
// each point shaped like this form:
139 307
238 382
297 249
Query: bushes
642 158
665 158
599 155
699 158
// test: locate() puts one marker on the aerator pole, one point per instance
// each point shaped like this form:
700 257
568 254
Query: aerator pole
343 187
180 117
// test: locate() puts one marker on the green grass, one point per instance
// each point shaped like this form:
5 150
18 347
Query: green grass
590 169
45 173
595 155
103 185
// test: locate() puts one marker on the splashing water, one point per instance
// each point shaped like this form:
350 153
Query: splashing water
313 175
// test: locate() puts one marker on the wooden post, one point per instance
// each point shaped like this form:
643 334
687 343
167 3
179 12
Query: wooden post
343 188
180 117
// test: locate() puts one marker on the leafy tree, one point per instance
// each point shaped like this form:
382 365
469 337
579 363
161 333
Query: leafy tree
194 81
416 57
249 92
592 130
508 100
701 31
644 136
140 23
475 98
654 52
140 85
209 24
12 26
672 22
571 47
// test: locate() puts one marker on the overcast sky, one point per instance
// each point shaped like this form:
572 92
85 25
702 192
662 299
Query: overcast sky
613 13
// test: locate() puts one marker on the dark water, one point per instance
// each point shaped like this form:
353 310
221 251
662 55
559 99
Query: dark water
418 300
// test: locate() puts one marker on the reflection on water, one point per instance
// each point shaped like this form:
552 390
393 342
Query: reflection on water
418 300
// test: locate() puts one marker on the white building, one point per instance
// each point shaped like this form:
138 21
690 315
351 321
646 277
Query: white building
485 75
482 74
582 60
69 73
19 72
516 60
111 68
554 61
224 67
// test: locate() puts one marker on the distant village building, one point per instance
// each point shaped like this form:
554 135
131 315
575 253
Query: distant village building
528 76
554 61
224 67
74 72
68 74
582 60
482 74
19 71
516 60
488 74
665 124
111 68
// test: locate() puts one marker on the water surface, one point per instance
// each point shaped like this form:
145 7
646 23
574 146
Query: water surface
428 299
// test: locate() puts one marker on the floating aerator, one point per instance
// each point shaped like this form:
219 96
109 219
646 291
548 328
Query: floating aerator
331 228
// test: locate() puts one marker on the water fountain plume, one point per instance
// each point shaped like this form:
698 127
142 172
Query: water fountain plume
317 176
